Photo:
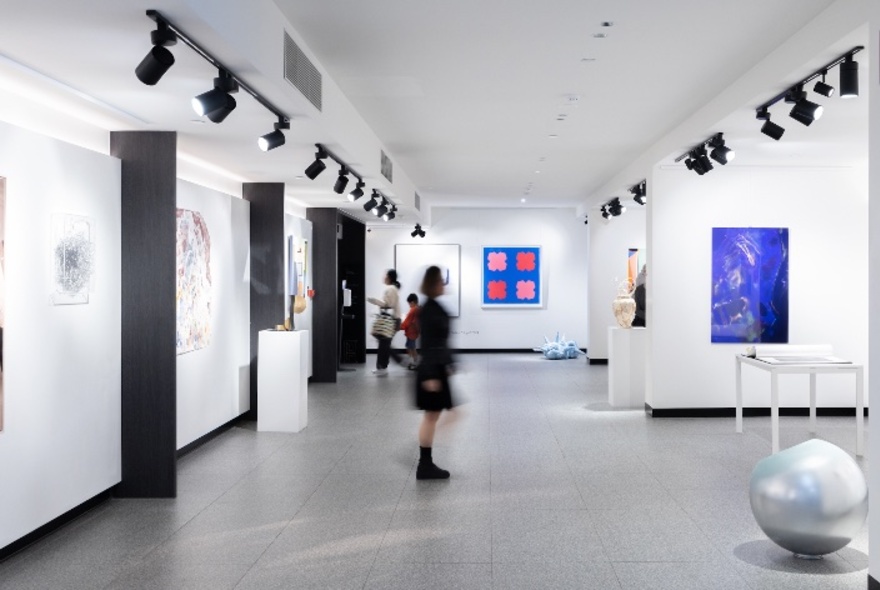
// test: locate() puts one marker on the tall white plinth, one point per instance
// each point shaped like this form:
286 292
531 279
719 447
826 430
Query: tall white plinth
626 367
282 381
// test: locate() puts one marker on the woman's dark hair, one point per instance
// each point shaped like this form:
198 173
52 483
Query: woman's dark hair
412 298
392 276
433 276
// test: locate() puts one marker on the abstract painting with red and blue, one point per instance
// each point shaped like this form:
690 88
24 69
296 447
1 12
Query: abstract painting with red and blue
750 284
511 276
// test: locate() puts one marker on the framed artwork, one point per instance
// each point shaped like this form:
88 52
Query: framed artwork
73 251
511 276
750 284
412 260
194 296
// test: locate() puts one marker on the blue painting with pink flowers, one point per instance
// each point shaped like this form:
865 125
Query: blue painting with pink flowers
511 276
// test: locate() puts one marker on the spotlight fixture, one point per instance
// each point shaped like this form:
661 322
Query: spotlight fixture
358 191
697 159
372 203
341 181
805 111
382 209
849 77
418 231
720 152
159 60
274 139
390 214
612 208
587 220
640 192
217 103
318 165
822 88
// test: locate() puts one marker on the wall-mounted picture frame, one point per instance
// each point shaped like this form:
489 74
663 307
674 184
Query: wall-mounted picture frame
412 260
512 277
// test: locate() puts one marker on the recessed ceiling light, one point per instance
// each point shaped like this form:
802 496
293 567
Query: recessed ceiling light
537 171
607 23
599 35
522 200
584 59
553 136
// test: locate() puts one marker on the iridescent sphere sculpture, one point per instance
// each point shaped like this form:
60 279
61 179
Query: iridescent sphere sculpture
811 499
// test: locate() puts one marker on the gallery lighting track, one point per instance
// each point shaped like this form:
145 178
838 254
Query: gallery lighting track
612 208
697 159
805 111
217 103
381 206
318 166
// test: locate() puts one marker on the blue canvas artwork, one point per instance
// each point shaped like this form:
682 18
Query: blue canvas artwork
511 276
750 284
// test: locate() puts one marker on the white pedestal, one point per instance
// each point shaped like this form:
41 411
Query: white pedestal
626 367
282 381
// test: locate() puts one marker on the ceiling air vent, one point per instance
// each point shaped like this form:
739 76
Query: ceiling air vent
418 202
301 72
386 167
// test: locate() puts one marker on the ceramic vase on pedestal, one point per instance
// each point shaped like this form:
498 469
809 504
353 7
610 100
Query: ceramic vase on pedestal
624 306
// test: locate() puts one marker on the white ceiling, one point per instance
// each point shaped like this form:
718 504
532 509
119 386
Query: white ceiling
463 94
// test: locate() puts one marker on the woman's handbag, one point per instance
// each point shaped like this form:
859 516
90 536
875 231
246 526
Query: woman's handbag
384 326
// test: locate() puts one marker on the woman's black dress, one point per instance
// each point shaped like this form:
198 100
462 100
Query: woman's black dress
436 358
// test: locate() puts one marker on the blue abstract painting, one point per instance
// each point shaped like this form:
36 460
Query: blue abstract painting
750 284
511 276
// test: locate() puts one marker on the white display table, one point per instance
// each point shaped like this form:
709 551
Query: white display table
282 381
812 369
626 367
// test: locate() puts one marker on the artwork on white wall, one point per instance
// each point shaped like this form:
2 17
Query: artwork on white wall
193 281
511 276
73 252
297 275
412 260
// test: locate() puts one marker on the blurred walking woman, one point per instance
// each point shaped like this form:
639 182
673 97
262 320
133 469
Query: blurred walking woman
390 303
432 381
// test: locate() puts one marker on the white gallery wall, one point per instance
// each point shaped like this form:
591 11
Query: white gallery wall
610 242
213 383
61 440
564 243
826 213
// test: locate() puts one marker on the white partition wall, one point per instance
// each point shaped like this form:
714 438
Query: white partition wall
213 382
564 251
825 211
60 443
609 243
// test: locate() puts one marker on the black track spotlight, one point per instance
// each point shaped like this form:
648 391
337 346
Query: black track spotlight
849 78
769 128
720 152
159 60
822 88
318 165
358 191
341 181
391 214
804 111
382 209
640 193
372 203
605 214
418 231
275 139
703 159
217 103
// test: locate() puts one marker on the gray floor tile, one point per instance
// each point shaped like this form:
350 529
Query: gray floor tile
679 576
338 574
572 575
545 536
430 576
160 574
438 536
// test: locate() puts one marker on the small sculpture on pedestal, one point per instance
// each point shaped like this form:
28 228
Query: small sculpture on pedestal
624 306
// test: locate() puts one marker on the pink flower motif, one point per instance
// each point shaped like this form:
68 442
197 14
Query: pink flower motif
497 289
497 261
525 261
525 289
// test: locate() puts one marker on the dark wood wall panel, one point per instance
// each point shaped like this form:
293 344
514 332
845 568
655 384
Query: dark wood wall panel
267 267
352 262
149 357
325 315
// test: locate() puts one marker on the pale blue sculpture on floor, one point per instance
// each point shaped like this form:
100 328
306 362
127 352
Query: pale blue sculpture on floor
811 499
560 348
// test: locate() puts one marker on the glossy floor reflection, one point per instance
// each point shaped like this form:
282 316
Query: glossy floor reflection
550 488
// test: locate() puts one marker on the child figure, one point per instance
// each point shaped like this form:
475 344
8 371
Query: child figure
410 327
